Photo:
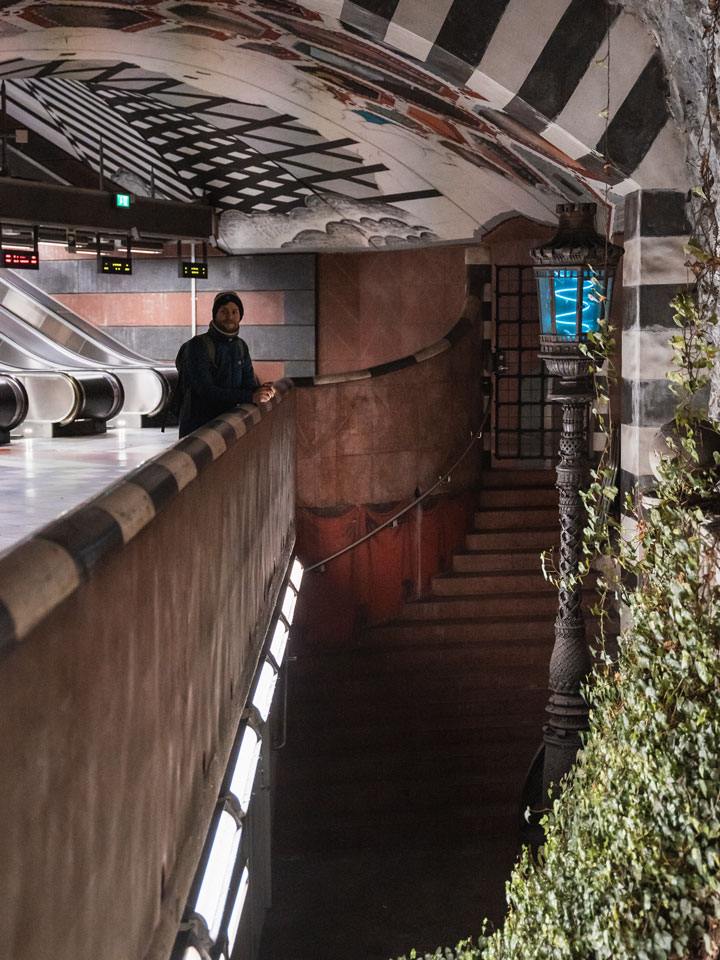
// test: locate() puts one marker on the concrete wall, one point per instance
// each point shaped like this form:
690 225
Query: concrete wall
129 633
150 310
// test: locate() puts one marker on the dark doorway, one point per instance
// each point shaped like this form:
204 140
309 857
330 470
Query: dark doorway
525 424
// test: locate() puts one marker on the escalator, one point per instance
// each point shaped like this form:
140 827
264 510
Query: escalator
38 332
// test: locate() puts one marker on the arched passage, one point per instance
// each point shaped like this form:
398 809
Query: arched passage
378 123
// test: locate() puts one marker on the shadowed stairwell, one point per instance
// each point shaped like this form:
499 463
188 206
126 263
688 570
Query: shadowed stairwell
396 807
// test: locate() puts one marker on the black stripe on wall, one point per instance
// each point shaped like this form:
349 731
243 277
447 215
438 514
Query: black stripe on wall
381 8
402 197
157 481
567 56
656 213
648 306
365 23
87 535
198 451
663 213
392 365
7 627
224 429
641 117
630 484
631 215
460 329
469 27
650 403
478 274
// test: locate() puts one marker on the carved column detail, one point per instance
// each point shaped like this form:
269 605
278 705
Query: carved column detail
570 662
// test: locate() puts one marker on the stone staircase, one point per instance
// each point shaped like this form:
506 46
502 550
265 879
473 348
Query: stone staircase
423 731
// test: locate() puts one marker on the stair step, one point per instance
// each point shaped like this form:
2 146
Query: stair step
515 634
393 790
503 582
411 659
325 725
496 561
541 605
530 538
493 751
495 762
501 497
417 690
316 835
513 518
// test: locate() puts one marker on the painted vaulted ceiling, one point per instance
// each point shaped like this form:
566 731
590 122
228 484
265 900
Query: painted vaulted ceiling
373 123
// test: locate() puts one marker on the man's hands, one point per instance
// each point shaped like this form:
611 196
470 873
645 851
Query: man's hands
265 392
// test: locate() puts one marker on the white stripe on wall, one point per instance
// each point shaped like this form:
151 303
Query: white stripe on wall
664 165
650 260
630 50
416 24
635 443
646 354
525 27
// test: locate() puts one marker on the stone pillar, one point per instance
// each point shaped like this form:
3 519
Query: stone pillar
656 230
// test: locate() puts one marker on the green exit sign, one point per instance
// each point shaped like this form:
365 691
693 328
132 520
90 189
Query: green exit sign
122 199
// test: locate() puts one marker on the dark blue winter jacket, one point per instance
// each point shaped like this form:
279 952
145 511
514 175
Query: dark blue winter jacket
212 386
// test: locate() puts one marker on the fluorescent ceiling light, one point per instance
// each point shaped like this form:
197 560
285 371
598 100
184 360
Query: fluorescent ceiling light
262 698
238 909
244 773
210 903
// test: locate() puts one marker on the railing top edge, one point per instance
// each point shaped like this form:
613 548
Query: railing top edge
470 311
47 567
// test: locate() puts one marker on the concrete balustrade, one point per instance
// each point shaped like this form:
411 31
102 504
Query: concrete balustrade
129 633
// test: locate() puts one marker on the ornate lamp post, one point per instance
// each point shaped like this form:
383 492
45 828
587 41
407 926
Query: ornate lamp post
574 273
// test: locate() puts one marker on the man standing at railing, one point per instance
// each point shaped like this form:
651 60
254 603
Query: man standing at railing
215 372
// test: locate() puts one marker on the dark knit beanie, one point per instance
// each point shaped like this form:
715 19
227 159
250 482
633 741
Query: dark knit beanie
227 297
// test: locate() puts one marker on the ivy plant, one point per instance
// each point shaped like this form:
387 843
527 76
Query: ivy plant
630 867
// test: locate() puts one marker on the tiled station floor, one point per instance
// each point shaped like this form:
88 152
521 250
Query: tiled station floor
42 478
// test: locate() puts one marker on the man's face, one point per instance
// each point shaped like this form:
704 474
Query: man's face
227 318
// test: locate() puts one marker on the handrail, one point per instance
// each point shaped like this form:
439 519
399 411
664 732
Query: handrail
477 435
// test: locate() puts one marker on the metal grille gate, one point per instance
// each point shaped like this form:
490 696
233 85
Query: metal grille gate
524 421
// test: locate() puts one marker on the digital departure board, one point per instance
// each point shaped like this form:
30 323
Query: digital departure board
195 270
121 265
20 260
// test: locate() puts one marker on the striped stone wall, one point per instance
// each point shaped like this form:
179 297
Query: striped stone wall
150 310
656 230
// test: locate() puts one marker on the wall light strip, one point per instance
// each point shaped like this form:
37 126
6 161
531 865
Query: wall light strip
262 698
210 903
238 909
245 767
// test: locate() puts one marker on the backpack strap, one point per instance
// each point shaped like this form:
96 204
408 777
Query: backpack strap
207 342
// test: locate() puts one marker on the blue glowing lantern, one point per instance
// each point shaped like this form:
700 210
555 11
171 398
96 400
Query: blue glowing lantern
574 273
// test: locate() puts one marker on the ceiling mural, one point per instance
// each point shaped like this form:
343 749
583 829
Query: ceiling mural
338 123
